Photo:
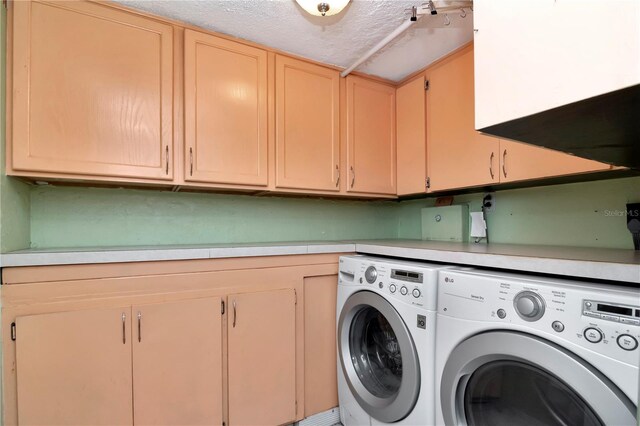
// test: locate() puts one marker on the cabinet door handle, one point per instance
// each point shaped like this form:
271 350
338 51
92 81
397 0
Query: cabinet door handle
338 177
234 314
353 176
190 161
491 165
124 328
504 163
167 155
139 326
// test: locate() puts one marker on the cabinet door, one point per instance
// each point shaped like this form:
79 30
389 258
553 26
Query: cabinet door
412 137
225 111
457 155
262 362
320 363
74 368
371 136
92 91
307 126
519 161
177 362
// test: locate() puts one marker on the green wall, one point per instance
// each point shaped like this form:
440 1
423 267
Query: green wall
66 216
14 195
588 214
580 214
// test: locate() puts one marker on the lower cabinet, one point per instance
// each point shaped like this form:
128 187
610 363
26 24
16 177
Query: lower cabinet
177 362
320 361
262 358
160 364
74 368
224 342
152 364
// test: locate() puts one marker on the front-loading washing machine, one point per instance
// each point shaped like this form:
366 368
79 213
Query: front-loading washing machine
523 350
386 312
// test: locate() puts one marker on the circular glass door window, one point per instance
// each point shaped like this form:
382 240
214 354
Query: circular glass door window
515 393
375 353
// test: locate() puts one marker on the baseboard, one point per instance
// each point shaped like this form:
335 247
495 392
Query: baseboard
326 418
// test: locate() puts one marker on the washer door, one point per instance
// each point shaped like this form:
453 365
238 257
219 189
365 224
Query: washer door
378 357
509 378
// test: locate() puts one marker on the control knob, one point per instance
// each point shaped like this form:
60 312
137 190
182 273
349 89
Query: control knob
416 293
371 274
403 291
529 305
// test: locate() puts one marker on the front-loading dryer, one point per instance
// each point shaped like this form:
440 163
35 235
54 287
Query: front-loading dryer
522 350
386 334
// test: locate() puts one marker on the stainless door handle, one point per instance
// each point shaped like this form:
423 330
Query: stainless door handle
353 176
139 326
190 161
124 329
167 155
234 314
491 165
504 163
338 178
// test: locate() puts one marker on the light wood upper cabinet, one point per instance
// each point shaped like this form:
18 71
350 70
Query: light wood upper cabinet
177 362
262 361
371 136
457 155
74 368
225 111
92 92
519 161
411 116
307 125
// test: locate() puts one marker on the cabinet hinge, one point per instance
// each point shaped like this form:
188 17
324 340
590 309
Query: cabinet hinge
428 183
295 296
222 308
13 331
426 85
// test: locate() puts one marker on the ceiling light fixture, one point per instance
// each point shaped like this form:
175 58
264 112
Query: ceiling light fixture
323 7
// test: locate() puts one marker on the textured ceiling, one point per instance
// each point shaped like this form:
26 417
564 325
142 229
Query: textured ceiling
338 40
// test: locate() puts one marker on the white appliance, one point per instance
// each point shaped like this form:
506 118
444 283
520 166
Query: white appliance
522 350
386 311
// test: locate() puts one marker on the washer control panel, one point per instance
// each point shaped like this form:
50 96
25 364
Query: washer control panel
411 282
597 317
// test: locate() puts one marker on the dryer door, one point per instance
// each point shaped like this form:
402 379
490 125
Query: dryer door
378 357
510 378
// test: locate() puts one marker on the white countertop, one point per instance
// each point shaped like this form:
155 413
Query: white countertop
593 263
84 255
580 262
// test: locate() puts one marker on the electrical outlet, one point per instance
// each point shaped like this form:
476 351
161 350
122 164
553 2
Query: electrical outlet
489 202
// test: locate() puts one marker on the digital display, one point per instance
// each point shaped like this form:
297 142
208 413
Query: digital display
615 310
406 275
638 313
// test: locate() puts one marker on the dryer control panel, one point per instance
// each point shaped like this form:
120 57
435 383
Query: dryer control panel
596 317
